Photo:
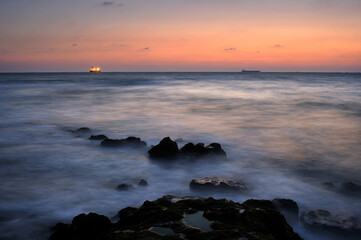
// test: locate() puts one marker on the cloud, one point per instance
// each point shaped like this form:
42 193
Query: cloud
278 46
229 49
74 45
107 3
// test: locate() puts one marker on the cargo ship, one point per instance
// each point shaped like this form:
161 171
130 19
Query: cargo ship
95 69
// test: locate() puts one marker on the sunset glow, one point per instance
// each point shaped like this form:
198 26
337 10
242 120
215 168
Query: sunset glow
160 35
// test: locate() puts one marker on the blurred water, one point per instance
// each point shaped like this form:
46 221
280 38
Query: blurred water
284 133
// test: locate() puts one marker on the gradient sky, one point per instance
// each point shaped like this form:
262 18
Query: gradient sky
180 35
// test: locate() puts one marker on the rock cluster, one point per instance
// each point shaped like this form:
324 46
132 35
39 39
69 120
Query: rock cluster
253 220
168 149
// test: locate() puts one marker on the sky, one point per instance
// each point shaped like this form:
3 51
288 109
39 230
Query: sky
180 35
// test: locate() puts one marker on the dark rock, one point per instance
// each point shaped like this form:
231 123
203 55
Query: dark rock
218 184
98 137
83 130
91 226
322 219
143 182
199 150
128 142
286 205
165 149
254 219
329 185
351 187
124 187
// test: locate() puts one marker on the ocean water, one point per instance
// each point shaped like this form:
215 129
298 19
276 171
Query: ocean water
285 134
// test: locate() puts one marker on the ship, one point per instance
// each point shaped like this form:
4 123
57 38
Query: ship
250 71
95 69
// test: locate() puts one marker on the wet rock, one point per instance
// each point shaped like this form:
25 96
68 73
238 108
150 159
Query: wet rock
90 226
83 130
254 219
326 220
128 142
200 150
143 182
217 184
124 187
98 137
164 150
287 205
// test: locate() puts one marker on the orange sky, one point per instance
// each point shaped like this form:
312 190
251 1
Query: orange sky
180 35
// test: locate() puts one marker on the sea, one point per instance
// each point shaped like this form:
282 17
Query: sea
286 135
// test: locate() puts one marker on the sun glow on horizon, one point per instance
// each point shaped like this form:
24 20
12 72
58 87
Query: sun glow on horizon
141 36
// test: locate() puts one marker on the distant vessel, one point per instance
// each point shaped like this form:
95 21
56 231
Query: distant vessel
250 71
95 69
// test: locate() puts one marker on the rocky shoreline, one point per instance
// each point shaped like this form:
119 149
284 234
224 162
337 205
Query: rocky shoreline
171 217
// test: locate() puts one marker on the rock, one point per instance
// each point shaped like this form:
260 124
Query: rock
164 150
254 219
199 150
90 226
124 186
329 185
83 130
287 205
288 208
350 187
217 184
128 142
326 220
143 182
98 137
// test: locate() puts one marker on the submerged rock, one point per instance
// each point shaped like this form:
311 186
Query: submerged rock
200 150
215 183
350 187
329 185
83 130
143 182
189 218
323 219
128 142
98 137
165 149
124 186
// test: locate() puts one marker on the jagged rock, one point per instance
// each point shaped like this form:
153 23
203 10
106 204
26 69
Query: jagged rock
288 205
218 184
143 182
168 149
124 186
98 137
90 226
128 142
199 150
165 149
254 220
323 219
